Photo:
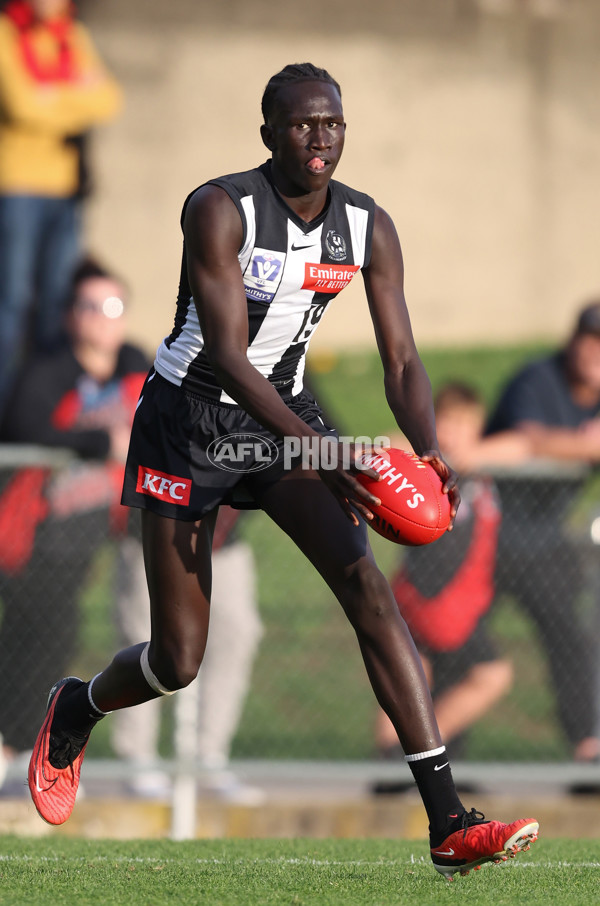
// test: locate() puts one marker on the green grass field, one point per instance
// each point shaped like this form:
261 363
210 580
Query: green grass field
51 871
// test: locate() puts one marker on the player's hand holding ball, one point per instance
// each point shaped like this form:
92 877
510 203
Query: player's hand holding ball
418 495
338 466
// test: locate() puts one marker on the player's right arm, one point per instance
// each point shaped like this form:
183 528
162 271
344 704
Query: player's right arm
213 236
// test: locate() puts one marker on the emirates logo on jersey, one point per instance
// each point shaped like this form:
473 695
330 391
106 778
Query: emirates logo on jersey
328 278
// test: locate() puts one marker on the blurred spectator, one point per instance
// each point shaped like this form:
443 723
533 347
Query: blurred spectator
81 397
554 403
53 88
445 590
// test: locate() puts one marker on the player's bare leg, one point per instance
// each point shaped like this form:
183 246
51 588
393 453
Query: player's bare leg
458 707
177 556
306 510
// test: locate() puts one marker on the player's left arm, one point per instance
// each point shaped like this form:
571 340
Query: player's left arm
407 385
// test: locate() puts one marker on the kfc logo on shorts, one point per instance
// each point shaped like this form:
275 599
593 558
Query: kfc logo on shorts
165 487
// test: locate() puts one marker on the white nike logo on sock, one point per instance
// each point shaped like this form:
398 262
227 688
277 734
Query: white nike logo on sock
438 767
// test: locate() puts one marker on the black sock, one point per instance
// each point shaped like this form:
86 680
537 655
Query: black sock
433 777
74 712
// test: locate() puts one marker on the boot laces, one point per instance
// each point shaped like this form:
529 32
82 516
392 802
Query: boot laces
64 749
469 819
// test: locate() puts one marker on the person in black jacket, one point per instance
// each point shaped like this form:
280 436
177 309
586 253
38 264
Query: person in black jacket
81 397
554 402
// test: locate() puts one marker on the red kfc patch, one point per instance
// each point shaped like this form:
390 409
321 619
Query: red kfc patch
169 488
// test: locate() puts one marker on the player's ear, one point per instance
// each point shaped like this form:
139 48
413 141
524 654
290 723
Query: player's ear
266 133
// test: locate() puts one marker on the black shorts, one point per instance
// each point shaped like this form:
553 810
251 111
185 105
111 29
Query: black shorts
188 454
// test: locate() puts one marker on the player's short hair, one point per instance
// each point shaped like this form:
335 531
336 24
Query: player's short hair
456 393
289 75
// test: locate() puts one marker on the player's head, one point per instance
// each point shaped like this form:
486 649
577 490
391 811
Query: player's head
460 417
304 127
293 74
583 350
96 309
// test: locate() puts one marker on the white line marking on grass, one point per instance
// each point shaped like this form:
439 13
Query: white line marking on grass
281 860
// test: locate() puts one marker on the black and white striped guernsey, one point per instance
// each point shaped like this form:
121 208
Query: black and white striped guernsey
291 272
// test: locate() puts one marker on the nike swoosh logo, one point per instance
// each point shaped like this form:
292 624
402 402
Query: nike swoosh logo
438 767
296 248
440 852
39 788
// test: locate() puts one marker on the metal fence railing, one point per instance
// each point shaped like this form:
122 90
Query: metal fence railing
309 697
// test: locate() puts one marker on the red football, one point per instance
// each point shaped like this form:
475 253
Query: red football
413 509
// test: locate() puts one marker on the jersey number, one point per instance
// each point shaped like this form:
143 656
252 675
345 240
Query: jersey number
311 318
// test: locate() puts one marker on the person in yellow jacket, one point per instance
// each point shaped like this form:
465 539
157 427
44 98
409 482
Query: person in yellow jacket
53 88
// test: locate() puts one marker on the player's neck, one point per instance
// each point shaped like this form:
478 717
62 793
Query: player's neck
306 205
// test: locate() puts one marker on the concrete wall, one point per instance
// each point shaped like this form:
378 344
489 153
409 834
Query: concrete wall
474 122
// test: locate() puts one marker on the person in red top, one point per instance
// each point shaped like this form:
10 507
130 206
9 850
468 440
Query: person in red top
81 397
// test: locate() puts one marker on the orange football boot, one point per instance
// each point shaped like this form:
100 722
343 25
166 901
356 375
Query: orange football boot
55 763
479 841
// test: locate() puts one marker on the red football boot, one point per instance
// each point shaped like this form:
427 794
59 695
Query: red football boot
480 841
55 763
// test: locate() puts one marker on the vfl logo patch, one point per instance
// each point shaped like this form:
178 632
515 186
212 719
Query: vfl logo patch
336 245
328 278
263 274
164 487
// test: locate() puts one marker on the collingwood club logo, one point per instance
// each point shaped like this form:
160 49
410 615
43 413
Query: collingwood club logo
336 246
